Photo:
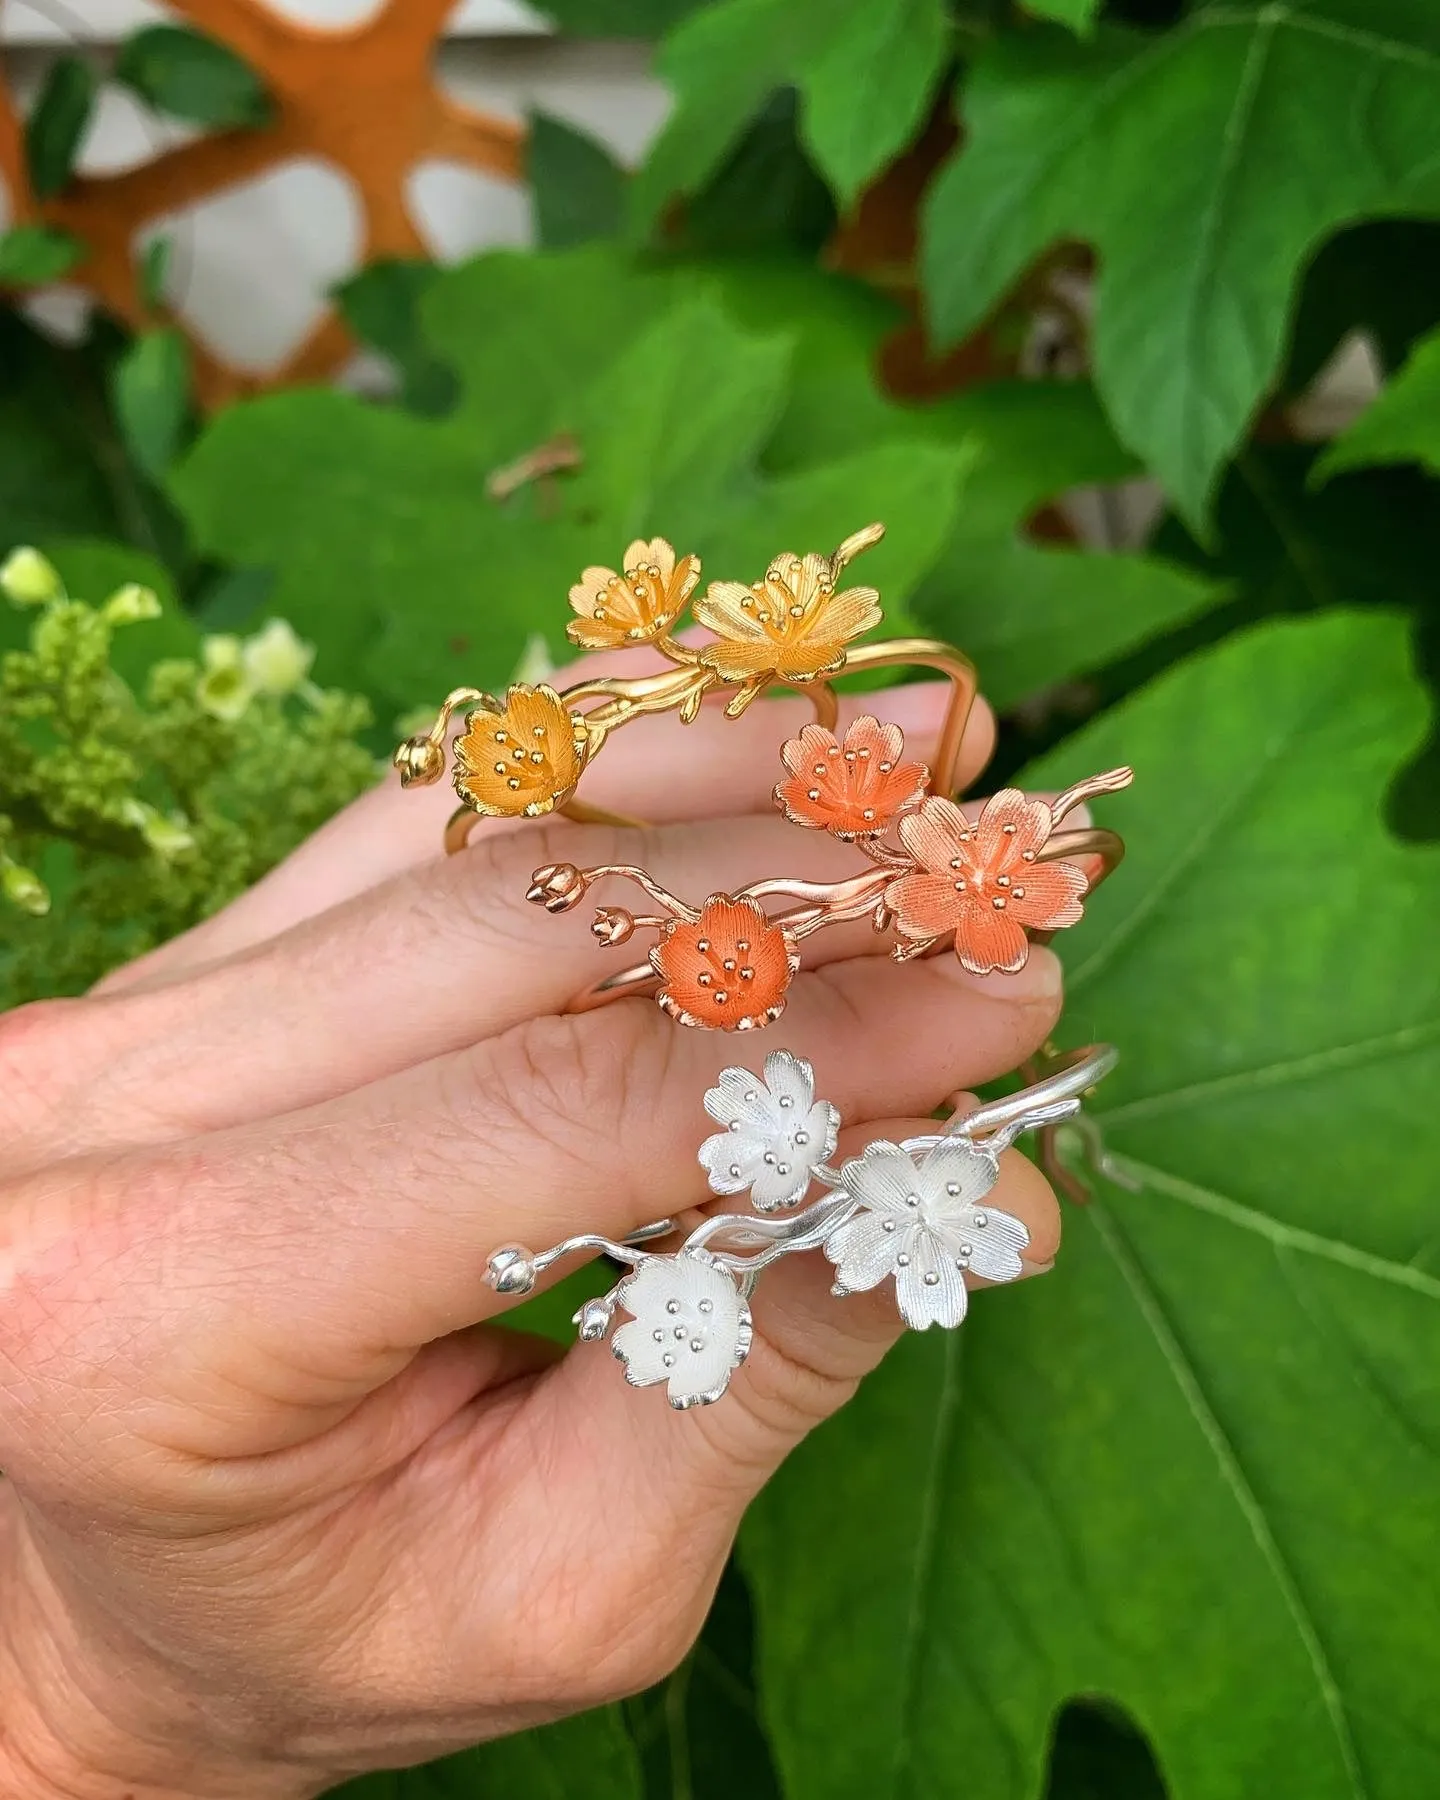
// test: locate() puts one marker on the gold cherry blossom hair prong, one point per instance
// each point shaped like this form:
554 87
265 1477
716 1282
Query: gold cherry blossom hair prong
522 756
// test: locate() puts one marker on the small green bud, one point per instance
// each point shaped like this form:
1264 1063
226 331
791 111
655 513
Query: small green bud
131 605
167 835
30 579
276 659
224 689
23 888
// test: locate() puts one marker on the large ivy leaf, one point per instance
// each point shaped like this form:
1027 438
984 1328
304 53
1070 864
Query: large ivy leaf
1194 1470
866 74
1205 165
590 1754
380 526
1031 616
1403 425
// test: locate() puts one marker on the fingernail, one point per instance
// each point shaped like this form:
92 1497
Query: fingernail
1041 978
1035 1268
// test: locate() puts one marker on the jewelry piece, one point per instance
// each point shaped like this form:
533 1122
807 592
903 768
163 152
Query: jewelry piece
983 884
915 1213
523 756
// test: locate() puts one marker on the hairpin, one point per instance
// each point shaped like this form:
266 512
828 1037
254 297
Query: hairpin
915 1213
524 756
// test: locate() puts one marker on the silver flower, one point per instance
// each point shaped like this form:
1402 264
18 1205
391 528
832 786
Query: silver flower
689 1328
776 1132
924 1224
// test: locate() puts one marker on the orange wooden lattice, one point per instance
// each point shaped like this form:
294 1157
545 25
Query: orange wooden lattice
362 98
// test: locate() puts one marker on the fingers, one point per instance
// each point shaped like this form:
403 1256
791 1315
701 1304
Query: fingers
434 960
371 1217
661 771
680 1481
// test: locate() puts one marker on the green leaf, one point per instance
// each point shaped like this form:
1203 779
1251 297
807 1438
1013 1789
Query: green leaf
31 255
866 73
57 124
579 188
190 76
765 197
152 397
1030 616
590 1754
1193 1470
869 85
1198 263
381 305
154 267
389 549
1381 277
1403 425
1079 15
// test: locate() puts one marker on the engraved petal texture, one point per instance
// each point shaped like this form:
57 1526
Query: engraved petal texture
775 1132
522 760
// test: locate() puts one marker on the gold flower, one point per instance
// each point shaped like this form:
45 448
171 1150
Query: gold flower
636 606
792 625
523 760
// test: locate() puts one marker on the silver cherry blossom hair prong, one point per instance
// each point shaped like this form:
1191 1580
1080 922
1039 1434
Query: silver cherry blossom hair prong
915 1212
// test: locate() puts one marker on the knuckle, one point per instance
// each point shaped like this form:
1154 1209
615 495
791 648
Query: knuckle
575 1078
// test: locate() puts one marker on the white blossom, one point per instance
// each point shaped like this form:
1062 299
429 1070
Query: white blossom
776 1132
924 1223
275 659
689 1328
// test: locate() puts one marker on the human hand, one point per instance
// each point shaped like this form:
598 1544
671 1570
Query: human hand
281 1506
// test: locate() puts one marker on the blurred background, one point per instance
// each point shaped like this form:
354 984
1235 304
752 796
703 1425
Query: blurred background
337 337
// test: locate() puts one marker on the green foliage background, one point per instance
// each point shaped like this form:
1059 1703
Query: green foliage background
1163 1523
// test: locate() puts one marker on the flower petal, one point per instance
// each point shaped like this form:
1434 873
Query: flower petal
781 1184
996 1240
739 1097
924 905
930 1289
734 1160
967 1168
822 1125
791 1081
1009 825
843 616
1049 895
863 1251
884 1178
729 609
938 832
642 1353
987 939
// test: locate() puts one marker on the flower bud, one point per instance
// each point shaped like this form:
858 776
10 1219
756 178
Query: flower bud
224 689
612 924
166 836
511 1270
131 605
29 579
23 888
556 887
276 659
420 760
593 1318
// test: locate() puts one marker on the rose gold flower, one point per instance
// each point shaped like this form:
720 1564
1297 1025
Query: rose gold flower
635 606
983 881
852 788
523 760
730 970
792 625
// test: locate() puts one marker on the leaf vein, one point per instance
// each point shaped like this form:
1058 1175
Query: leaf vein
1183 1373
